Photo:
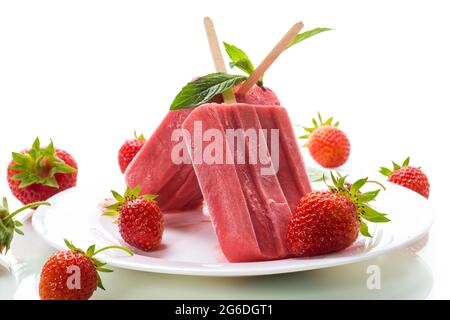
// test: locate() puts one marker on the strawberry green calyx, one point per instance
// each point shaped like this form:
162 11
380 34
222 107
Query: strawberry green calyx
39 166
387 172
139 137
130 194
317 124
91 252
360 199
9 226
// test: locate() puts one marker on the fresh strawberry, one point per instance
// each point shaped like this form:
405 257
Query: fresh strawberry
140 220
409 177
129 150
73 274
327 144
9 226
38 173
329 221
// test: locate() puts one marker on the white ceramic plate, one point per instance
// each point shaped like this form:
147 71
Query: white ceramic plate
190 246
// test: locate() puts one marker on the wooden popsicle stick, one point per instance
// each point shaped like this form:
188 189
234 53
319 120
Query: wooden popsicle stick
216 54
271 57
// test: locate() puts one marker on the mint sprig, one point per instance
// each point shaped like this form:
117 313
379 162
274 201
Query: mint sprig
241 60
203 89
306 35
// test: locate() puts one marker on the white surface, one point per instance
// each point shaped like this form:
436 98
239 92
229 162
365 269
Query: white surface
190 246
87 73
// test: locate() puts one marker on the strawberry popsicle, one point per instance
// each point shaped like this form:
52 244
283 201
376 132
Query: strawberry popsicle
176 184
249 205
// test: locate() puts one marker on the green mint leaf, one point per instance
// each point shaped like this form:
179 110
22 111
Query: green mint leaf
239 58
306 35
203 89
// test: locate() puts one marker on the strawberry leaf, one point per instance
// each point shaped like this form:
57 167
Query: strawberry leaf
385 171
9 226
364 229
369 196
38 166
360 199
356 186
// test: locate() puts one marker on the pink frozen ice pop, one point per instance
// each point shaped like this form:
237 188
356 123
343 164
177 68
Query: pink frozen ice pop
250 205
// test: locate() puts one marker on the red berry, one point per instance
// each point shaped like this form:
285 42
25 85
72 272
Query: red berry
55 283
409 177
323 222
329 221
329 147
129 150
327 144
38 173
73 274
141 224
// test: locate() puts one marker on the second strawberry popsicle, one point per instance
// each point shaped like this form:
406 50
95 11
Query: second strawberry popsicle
251 173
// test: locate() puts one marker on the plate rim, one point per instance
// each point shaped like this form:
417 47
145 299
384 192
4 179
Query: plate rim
251 268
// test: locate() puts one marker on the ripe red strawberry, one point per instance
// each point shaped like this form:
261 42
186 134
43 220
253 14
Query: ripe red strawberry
9 226
38 173
327 144
410 177
141 222
129 150
73 274
329 221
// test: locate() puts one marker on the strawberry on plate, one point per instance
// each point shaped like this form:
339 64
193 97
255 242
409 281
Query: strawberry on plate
329 221
38 173
73 274
327 144
9 226
409 177
141 223
129 150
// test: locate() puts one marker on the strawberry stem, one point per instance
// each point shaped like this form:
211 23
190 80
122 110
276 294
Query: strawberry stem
28 206
377 183
114 247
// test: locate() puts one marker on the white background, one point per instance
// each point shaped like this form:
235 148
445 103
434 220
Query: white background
88 73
